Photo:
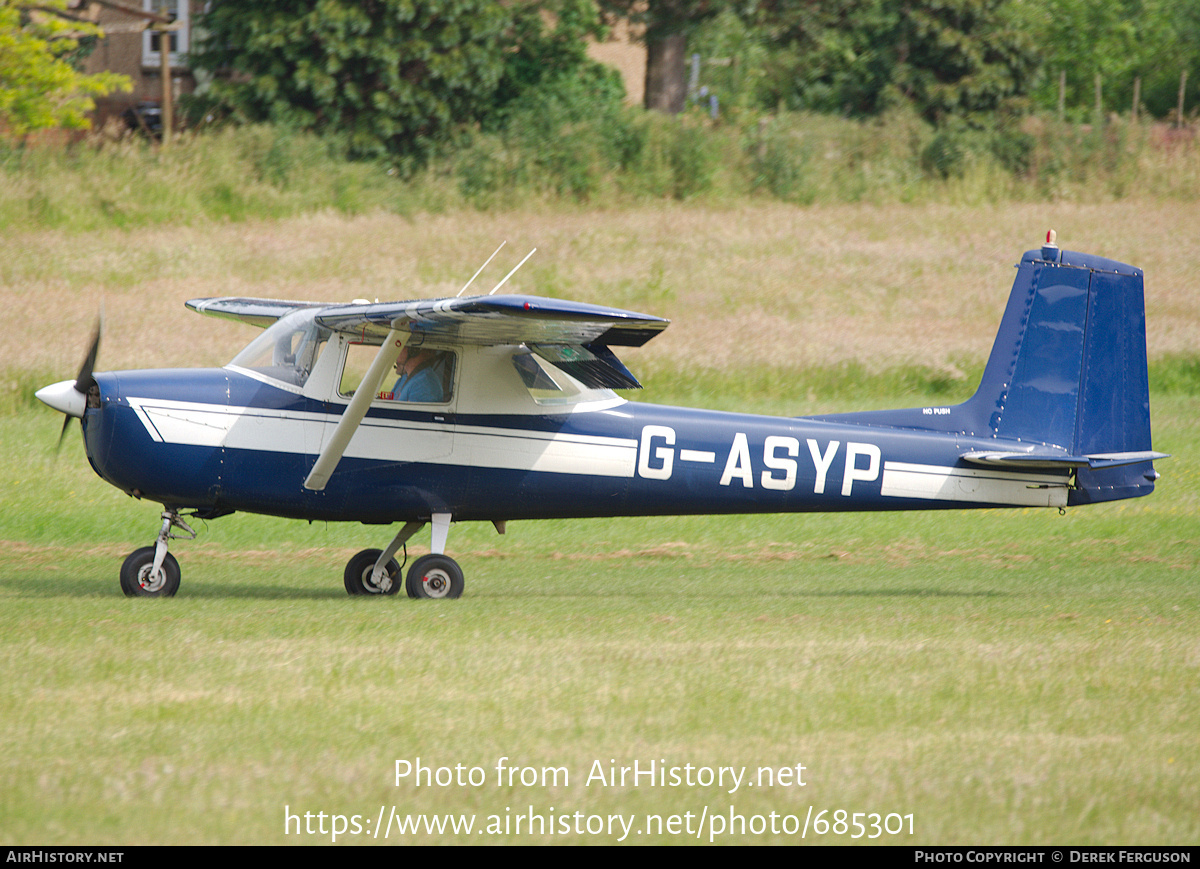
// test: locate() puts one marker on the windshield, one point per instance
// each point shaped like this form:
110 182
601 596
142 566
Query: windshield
287 350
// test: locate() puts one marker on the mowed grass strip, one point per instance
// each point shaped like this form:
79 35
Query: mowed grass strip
992 708
1003 676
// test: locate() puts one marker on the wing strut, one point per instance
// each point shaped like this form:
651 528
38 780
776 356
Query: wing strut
331 454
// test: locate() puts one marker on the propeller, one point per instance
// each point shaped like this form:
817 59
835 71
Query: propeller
70 397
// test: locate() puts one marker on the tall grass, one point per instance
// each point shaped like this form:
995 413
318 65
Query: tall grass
546 153
226 175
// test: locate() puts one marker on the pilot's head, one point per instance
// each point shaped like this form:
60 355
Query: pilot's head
410 358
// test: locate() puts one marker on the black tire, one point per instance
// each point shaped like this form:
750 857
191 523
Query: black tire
358 574
435 576
135 575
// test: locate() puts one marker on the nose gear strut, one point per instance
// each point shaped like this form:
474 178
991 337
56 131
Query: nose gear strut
152 571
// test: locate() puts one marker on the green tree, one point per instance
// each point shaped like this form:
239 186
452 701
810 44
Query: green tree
960 58
40 88
947 58
392 76
830 55
1118 41
543 48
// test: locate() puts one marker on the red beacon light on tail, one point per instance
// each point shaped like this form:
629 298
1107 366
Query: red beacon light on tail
1050 249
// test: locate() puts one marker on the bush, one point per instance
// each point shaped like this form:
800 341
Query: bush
576 142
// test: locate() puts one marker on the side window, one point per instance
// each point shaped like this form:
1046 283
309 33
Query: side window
550 385
420 374
358 360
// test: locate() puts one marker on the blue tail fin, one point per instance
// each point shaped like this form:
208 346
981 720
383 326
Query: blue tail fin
1068 371
1066 384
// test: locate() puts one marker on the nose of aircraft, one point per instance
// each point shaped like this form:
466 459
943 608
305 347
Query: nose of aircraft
64 397
69 397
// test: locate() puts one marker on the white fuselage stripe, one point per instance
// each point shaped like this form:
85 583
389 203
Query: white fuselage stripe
390 440
398 440
973 485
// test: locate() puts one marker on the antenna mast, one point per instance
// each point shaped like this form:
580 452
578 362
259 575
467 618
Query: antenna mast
481 268
513 272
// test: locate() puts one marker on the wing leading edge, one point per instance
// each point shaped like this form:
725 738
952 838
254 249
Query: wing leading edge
476 320
256 312
498 320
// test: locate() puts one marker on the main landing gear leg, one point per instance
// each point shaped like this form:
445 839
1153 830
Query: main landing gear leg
376 572
152 571
436 575
373 571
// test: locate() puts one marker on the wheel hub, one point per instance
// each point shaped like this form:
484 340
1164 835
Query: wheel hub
382 587
151 582
436 583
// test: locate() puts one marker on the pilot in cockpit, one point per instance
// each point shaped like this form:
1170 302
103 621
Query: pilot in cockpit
422 375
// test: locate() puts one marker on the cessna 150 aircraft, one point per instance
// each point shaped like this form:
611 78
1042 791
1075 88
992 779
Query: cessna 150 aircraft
502 407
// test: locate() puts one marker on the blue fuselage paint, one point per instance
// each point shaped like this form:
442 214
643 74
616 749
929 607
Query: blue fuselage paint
631 459
1063 405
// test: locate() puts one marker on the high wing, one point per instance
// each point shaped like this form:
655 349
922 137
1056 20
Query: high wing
256 312
473 320
498 320
573 336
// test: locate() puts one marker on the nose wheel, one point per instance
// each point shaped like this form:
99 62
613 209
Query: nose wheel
140 578
152 571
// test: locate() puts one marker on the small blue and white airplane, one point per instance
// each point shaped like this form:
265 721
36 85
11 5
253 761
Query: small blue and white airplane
502 407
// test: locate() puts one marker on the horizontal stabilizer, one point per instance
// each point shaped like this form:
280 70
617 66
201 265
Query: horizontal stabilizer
1060 460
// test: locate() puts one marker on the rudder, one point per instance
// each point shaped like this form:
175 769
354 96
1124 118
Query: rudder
1068 371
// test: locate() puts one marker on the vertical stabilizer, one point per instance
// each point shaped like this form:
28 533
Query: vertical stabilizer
1068 370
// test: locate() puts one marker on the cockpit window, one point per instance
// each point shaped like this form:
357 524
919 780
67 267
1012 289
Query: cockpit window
286 351
420 374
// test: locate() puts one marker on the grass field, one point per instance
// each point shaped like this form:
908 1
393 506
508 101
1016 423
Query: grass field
1006 677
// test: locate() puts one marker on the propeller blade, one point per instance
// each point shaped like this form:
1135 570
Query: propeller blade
84 380
70 397
62 434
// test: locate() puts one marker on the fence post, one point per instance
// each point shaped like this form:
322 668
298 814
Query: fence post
1137 97
1179 108
1062 94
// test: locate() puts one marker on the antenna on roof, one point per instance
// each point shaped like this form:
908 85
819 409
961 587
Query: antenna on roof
481 268
513 272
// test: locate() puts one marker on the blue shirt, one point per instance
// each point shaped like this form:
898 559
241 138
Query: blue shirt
427 383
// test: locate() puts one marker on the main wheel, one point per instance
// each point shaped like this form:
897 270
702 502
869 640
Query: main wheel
136 578
358 574
435 576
